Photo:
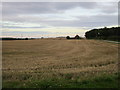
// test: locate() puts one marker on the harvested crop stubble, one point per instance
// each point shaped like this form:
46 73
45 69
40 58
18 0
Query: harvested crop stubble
57 58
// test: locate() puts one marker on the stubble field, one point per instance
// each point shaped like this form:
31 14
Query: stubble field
59 63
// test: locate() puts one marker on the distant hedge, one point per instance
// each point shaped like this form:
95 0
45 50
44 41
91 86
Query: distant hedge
104 33
14 38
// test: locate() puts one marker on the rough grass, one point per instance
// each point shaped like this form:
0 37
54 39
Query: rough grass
59 63
105 81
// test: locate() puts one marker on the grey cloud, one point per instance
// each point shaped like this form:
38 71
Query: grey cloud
16 8
11 8
26 33
108 8
99 18
66 5
27 8
21 27
80 24
83 21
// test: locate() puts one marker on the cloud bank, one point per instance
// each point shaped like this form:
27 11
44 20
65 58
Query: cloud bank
42 16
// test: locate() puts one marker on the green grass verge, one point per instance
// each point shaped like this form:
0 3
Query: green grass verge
104 81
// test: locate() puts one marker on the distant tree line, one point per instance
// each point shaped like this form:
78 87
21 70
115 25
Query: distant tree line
14 38
104 33
76 37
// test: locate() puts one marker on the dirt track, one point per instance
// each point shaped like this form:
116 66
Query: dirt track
59 56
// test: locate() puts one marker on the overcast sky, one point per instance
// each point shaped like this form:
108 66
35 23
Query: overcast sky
50 19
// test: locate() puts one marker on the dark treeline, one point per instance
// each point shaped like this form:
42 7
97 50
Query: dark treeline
76 37
15 38
104 33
